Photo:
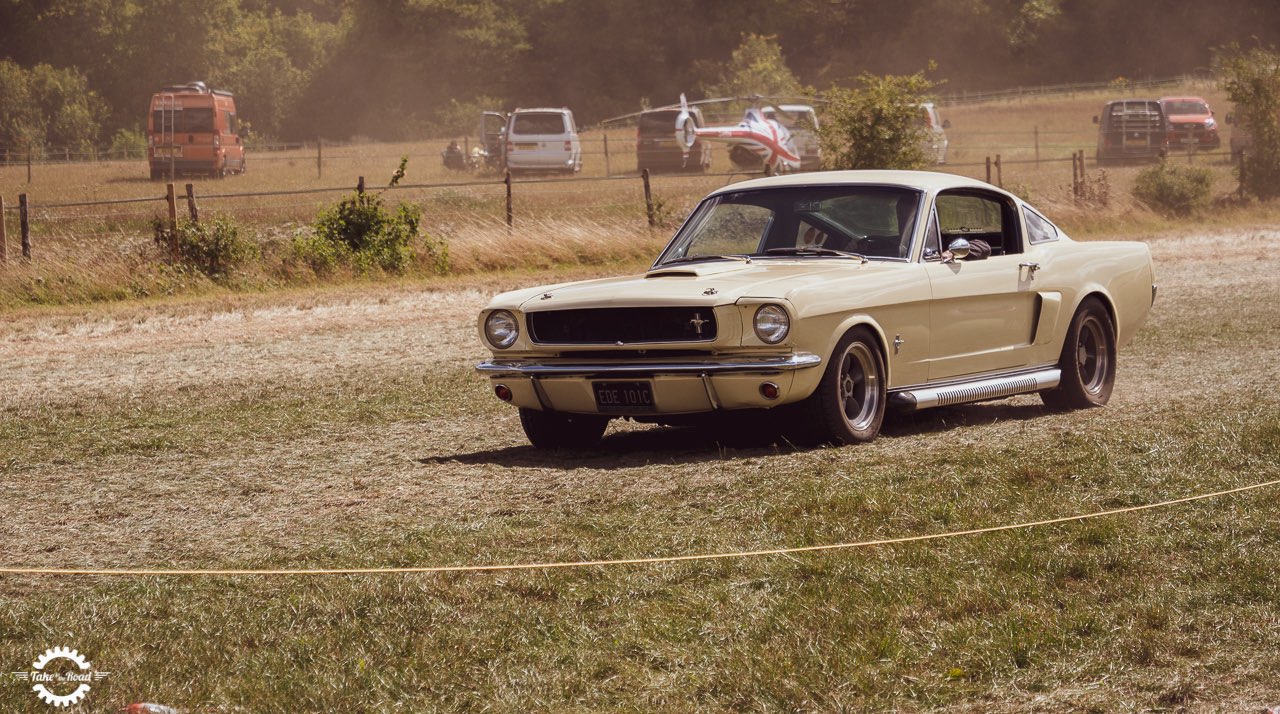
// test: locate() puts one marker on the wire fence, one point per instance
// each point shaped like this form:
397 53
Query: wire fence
447 206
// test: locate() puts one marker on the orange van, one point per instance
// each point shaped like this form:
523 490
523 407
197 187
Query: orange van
193 130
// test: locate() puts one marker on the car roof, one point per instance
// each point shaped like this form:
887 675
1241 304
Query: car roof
1183 99
551 110
931 181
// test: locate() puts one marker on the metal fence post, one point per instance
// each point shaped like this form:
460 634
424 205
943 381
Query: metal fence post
29 164
24 225
607 172
648 197
4 238
192 211
510 207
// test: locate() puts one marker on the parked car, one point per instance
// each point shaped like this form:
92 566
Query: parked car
1190 123
826 297
935 141
802 121
657 148
543 140
1131 129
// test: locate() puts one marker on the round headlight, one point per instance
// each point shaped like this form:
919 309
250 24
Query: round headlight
772 323
501 329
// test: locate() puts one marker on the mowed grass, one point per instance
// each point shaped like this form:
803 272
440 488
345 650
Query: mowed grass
404 460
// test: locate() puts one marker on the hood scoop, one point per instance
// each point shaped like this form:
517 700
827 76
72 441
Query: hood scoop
675 273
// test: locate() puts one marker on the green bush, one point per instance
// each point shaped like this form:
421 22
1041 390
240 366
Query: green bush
214 247
321 255
1174 190
362 229
128 144
877 125
1251 79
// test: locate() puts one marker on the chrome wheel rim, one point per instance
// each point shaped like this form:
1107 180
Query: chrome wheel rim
859 387
1093 359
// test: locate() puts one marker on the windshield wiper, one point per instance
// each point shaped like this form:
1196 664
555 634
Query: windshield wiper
697 258
816 251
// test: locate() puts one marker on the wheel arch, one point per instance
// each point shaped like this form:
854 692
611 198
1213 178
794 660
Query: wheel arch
852 322
1108 304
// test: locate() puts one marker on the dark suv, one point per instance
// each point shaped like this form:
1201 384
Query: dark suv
657 148
1131 129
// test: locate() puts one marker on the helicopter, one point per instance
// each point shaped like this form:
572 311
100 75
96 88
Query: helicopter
764 136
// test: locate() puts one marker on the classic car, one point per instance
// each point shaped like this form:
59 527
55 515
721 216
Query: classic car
829 296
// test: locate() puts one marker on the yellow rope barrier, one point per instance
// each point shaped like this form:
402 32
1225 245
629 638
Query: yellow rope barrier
635 561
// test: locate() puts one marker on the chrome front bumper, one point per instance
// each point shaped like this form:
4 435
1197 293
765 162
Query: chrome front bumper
566 368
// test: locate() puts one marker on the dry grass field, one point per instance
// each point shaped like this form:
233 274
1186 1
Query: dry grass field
325 425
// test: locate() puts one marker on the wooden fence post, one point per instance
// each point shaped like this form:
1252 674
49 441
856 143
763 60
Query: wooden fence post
999 172
360 186
319 158
988 169
1243 165
648 197
171 199
4 238
607 172
1075 175
511 216
1037 146
192 211
24 225
28 164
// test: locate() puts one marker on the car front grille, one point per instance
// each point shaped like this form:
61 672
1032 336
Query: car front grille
623 325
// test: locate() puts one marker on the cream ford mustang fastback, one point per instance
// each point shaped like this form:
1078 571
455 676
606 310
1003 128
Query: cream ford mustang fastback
827 296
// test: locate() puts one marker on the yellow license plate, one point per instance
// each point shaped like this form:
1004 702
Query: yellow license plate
164 152
526 146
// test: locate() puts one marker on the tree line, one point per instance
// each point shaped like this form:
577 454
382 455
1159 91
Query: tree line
78 72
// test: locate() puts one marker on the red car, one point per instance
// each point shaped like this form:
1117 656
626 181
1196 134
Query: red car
1189 123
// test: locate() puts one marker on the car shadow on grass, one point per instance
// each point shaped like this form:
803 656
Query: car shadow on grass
631 448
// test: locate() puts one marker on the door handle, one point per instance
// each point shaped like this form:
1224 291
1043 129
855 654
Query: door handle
1031 268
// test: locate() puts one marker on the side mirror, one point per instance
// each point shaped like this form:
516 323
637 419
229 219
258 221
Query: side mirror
1095 118
946 123
959 249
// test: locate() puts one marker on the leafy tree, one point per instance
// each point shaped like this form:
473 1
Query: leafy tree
1252 81
876 125
755 67
45 106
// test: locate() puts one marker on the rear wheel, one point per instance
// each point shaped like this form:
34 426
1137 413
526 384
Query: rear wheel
1088 360
850 400
557 430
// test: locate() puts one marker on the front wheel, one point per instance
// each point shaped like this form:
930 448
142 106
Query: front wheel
557 430
1088 360
850 400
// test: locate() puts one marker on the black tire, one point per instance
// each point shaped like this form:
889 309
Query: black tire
1088 360
848 406
556 430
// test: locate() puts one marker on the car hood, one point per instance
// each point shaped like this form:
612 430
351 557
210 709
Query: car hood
693 284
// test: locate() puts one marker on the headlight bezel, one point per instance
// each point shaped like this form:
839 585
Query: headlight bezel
771 323
491 329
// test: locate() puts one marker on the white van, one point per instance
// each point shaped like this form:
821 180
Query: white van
543 140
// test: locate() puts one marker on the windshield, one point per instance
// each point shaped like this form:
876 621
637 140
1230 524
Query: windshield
807 221
1177 108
